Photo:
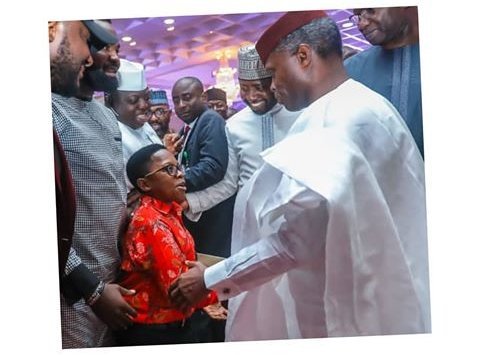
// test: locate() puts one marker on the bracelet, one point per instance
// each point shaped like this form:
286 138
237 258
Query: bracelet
96 294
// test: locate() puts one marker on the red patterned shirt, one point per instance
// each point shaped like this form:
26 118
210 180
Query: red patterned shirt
154 250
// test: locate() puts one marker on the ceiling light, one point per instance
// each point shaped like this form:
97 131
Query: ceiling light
132 43
211 32
169 21
126 38
170 28
347 24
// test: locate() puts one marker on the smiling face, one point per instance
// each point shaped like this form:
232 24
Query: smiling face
160 118
160 184
188 99
102 76
382 26
132 107
257 95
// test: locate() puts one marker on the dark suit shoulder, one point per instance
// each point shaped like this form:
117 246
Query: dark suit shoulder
209 116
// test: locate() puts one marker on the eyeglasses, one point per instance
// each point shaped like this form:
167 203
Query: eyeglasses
159 112
171 170
364 14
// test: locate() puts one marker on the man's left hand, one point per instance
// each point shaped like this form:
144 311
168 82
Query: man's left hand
189 288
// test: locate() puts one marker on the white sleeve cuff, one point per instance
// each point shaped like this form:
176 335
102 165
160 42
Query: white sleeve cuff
215 278
193 213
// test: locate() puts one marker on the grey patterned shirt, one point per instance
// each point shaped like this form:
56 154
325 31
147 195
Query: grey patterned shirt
91 140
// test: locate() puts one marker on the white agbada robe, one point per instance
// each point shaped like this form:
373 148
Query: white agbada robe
135 139
330 234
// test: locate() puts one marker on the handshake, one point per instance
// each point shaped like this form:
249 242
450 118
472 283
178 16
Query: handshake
189 288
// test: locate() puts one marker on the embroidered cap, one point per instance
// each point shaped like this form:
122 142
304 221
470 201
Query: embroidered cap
158 97
285 25
250 65
131 76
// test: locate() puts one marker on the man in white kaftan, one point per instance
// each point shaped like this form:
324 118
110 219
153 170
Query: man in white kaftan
329 234
339 220
254 129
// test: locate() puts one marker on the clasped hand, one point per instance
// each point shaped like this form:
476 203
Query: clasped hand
113 309
189 288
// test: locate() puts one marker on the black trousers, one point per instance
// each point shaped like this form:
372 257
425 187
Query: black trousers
196 329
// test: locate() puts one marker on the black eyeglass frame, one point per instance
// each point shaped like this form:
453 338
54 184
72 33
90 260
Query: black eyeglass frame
169 169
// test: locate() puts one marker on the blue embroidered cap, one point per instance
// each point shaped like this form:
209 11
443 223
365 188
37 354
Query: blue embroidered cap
158 97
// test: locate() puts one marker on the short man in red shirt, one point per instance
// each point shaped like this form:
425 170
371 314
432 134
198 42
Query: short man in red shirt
155 249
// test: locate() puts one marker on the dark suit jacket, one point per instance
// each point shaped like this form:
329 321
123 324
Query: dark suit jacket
206 157
206 154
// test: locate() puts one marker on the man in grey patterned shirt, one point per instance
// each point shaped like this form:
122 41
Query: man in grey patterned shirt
91 139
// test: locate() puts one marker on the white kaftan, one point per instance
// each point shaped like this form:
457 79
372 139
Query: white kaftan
329 235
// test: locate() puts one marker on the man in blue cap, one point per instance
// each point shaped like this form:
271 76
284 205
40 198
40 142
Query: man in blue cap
160 113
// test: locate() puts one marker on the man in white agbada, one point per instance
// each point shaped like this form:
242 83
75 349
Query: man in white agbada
257 127
329 234
130 103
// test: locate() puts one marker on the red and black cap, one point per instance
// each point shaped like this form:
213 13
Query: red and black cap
285 25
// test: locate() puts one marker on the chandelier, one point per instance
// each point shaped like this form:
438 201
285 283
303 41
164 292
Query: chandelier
224 76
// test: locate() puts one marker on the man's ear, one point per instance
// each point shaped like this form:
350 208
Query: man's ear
204 97
52 30
304 54
143 185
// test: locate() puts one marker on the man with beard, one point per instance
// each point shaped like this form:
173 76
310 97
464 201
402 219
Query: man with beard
391 66
102 76
69 55
254 129
89 133
160 113
329 234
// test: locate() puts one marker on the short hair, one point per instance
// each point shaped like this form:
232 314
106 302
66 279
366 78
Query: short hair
195 81
139 163
322 34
